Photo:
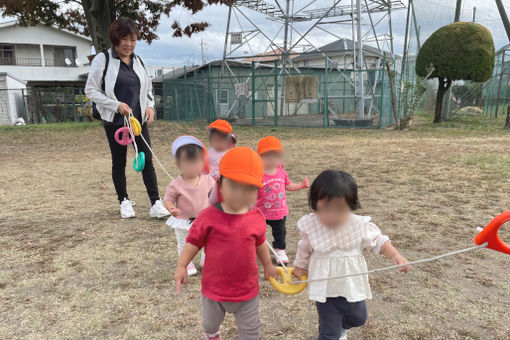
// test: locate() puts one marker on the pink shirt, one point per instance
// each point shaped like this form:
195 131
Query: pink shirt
271 200
214 162
230 272
191 200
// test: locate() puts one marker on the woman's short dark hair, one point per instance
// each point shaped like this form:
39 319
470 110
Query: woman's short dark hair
121 28
191 151
332 184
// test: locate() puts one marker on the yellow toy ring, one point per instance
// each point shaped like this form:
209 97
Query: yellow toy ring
286 287
135 126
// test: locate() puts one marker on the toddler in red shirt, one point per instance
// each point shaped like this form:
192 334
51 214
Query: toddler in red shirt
271 199
233 235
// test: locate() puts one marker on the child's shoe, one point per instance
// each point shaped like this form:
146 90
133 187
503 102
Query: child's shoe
158 210
217 336
282 256
191 269
343 335
126 209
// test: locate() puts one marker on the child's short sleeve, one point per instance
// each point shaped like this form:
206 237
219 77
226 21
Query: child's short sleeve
372 238
171 193
198 232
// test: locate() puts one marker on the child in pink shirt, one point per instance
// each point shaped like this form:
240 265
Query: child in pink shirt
271 199
188 194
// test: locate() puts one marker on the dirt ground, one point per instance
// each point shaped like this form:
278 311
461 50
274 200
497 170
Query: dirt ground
71 268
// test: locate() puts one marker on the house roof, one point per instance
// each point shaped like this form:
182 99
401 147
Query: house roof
13 77
179 72
338 47
16 23
271 56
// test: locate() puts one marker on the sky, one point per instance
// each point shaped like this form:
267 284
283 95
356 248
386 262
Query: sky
430 15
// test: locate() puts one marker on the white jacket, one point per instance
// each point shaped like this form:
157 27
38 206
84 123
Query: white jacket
106 102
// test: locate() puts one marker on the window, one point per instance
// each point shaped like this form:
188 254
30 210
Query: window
7 55
223 96
64 56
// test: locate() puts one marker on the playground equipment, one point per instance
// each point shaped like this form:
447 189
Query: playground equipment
487 238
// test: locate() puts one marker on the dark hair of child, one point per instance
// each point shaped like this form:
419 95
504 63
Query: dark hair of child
331 184
217 132
190 151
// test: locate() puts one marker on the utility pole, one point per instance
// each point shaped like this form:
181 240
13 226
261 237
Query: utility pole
284 60
474 14
202 50
360 61
447 98
457 10
504 17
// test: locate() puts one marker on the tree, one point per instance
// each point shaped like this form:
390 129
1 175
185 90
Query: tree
93 17
459 51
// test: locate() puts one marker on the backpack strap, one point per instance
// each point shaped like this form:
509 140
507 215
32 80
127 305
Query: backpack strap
107 56
151 95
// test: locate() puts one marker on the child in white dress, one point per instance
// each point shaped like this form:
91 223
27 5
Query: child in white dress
332 242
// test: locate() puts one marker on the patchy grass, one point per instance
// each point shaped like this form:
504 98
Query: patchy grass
71 268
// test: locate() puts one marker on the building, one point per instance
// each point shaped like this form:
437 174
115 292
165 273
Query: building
12 99
46 61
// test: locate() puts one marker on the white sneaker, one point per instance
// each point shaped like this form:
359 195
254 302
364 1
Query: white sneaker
191 269
126 209
282 256
158 210
343 335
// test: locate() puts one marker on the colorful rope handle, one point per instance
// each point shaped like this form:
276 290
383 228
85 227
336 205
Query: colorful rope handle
135 126
490 235
139 161
126 138
286 287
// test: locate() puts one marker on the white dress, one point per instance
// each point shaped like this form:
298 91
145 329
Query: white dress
328 252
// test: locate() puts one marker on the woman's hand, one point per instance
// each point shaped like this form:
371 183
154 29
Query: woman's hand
299 272
149 115
124 109
180 277
398 260
270 271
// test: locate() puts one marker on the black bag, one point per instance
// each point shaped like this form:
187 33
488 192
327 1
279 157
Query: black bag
95 113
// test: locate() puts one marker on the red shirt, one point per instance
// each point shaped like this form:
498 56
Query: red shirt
230 272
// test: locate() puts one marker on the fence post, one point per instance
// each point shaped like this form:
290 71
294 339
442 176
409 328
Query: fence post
381 104
500 81
186 108
326 106
275 93
253 92
209 85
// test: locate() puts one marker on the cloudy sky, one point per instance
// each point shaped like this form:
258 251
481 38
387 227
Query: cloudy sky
430 15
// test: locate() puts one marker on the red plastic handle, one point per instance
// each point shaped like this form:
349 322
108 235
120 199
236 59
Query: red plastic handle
490 235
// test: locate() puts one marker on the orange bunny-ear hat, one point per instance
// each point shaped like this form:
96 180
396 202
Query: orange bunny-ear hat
185 140
243 165
269 143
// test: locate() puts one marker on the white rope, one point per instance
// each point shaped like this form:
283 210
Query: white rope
435 258
153 154
277 257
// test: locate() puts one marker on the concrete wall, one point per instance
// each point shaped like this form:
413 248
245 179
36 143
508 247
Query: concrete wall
12 103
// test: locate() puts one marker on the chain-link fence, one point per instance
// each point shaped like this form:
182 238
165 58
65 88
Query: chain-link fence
251 94
496 91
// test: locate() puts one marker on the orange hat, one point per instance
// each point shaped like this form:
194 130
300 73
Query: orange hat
220 125
269 143
243 165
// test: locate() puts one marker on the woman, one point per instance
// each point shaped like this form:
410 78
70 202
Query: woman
127 88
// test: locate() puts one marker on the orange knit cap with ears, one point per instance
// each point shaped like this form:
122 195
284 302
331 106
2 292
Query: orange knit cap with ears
269 143
242 165
220 125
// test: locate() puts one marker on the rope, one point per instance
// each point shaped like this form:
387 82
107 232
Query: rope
435 258
276 255
126 121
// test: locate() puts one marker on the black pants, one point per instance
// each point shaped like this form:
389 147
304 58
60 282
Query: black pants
279 231
119 163
337 313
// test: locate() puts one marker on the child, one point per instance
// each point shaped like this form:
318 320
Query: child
271 200
332 242
233 234
221 139
188 194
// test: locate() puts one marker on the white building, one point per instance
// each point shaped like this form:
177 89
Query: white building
43 53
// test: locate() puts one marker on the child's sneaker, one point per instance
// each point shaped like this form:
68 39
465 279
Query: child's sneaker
343 335
126 208
217 336
191 269
281 256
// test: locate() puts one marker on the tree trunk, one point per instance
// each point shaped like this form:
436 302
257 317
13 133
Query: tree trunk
393 95
444 85
507 123
99 14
